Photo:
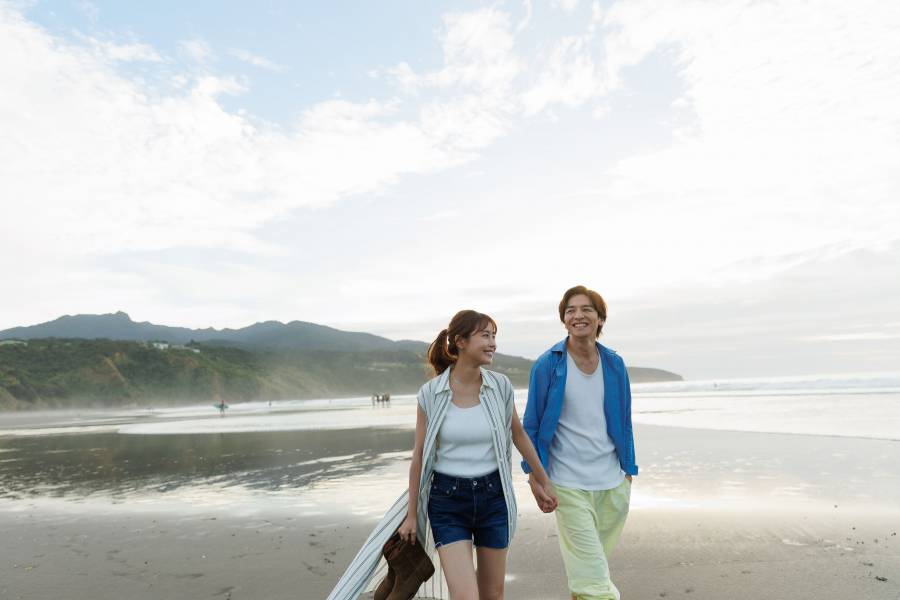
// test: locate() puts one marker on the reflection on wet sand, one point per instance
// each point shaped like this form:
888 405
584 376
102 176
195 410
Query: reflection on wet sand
123 467
347 457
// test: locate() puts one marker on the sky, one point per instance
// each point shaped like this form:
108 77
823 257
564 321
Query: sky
725 173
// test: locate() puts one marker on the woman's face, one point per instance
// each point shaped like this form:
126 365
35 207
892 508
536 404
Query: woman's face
479 347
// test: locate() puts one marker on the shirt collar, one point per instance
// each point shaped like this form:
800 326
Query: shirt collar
560 347
443 384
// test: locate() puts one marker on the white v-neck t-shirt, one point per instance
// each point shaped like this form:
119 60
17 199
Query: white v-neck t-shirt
464 445
582 455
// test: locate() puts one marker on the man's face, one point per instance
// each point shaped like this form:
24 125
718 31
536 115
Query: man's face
580 317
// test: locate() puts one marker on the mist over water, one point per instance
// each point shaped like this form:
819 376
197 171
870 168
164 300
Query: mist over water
865 405
314 456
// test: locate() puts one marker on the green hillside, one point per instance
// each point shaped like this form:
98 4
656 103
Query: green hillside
50 373
57 373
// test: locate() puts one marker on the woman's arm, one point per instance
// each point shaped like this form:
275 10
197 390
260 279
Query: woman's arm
537 478
407 529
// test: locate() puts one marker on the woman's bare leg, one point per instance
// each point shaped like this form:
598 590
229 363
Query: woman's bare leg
491 573
456 562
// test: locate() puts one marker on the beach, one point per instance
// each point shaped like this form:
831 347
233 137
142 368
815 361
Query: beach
663 554
274 503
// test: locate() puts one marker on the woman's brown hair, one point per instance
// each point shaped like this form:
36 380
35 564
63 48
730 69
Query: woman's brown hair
443 351
595 298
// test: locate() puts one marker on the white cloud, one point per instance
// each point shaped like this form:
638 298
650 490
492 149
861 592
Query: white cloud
88 9
440 216
405 77
128 52
197 50
155 171
566 5
789 144
478 51
526 18
567 76
779 152
476 95
256 60
140 170
772 146
208 87
863 336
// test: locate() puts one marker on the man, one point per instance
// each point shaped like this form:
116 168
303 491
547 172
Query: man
579 418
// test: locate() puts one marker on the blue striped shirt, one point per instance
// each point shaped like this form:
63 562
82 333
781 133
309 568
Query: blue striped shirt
498 399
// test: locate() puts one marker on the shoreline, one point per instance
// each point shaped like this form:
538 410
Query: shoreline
714 515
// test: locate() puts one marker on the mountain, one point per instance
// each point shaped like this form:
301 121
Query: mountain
110 360
298 335
55 373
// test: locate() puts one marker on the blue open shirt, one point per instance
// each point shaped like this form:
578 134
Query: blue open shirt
545 400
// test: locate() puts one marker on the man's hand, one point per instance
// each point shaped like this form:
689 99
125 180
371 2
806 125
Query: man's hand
628 477
543 494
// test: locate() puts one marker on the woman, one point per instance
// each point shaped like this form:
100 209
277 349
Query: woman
471 500
460 478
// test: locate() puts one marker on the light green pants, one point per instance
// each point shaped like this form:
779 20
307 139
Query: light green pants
589 526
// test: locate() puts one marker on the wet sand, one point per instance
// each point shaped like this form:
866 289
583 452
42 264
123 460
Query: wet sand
715 515
699 554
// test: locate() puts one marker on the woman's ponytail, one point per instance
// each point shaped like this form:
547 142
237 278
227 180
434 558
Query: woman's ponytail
440 353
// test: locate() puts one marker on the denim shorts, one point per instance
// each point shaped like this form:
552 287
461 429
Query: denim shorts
468 509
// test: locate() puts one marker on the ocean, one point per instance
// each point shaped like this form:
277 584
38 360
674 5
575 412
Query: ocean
308 455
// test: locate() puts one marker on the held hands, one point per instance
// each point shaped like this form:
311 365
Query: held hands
407 529
543 494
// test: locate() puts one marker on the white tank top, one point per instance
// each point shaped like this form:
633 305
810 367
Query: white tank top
582 455
464 446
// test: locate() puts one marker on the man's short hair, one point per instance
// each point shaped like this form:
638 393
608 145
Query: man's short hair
595 298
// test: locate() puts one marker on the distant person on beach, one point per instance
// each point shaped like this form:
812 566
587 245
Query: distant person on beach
460 493
579 418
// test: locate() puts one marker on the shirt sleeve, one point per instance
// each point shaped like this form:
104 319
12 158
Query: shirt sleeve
538 385
420 398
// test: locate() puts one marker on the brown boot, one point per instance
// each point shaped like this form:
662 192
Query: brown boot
412 568
387 584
